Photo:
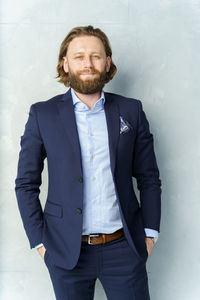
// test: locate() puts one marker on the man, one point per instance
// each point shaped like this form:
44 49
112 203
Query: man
92 225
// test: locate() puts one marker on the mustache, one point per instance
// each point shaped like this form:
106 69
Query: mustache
88 71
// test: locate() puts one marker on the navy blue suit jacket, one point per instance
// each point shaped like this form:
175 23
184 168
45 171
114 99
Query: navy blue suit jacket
51 133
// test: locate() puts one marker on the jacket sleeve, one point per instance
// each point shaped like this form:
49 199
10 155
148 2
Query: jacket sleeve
28 180
146 172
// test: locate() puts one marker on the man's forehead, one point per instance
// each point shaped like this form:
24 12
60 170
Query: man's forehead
82 43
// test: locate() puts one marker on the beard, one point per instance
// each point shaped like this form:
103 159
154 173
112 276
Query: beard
87 86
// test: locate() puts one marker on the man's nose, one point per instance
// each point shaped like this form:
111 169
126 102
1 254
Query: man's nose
88 62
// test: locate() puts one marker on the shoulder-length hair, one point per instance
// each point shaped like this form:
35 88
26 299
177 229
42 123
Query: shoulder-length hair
80 31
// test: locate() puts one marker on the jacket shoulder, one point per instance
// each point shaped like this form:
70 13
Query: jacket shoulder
48 103
122 99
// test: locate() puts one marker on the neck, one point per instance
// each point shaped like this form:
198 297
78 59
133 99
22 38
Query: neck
89 99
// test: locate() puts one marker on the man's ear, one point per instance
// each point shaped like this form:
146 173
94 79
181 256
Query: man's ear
65 64
108 63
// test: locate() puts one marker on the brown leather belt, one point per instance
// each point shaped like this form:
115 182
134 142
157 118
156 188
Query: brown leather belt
102 238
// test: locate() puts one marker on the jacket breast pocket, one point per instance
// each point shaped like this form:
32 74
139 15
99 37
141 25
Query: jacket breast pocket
53 209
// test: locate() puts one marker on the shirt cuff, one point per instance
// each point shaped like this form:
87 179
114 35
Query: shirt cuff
151 232
39 245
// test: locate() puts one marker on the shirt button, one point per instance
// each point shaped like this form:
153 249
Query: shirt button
80 179
91 134
79 210
93 177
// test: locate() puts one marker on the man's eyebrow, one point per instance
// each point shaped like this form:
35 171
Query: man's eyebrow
81 52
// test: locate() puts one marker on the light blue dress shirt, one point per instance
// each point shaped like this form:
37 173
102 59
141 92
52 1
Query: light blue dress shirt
100 208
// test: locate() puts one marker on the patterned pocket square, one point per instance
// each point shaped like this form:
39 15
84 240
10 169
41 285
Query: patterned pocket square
124 125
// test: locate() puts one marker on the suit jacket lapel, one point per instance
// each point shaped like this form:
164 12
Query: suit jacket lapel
112 117
68 119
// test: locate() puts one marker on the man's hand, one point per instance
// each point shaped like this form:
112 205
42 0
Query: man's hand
42 251
149 244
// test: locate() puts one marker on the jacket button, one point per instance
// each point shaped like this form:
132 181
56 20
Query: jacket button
80 179
79 210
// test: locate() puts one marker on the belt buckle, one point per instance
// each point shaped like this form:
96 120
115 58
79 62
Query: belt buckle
92 235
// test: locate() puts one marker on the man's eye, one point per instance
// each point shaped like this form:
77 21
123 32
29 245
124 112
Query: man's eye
95 56
78 57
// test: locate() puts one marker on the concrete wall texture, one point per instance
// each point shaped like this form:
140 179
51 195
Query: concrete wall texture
156 46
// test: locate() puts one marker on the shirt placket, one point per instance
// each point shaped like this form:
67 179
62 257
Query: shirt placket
94 184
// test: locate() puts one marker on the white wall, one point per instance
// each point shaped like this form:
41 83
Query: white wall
156 46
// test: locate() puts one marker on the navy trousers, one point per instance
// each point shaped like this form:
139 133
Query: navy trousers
121 272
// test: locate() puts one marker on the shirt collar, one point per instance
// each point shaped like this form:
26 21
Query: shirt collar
80 106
